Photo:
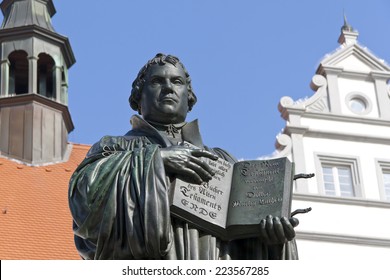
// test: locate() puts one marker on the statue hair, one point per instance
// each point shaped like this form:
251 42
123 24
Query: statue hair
138 84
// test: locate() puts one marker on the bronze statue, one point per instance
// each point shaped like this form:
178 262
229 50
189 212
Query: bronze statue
119 195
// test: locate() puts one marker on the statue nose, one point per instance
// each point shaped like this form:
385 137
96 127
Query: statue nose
167 87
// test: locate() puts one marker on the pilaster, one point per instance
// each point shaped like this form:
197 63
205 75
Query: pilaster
4 78
332 74
298 155
382 94
33 74
57 83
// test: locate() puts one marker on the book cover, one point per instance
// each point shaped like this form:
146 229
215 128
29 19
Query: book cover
239 196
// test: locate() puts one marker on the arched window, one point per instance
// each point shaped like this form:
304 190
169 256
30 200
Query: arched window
46 85
18 72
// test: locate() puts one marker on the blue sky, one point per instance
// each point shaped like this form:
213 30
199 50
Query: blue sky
243 56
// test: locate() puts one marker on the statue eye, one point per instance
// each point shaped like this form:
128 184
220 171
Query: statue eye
155 81
178 81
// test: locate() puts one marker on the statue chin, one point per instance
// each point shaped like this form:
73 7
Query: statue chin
168 117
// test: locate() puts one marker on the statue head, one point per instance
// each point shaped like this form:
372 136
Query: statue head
139 82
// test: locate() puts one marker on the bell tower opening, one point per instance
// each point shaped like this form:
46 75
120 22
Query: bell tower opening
45 75
18 73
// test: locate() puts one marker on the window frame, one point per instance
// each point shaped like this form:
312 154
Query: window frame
335 174
363 97
382 166
339 161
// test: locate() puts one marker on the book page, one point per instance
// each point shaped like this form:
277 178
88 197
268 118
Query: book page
206 203
260 188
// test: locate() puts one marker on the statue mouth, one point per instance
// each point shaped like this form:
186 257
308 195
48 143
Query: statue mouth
168 100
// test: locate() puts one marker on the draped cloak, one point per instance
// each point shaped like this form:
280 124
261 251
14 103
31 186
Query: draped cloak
119 200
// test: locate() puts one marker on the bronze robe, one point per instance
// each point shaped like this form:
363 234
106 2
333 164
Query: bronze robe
118 197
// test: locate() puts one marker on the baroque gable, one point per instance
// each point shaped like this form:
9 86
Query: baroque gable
353 58
318 102
350 83
351 97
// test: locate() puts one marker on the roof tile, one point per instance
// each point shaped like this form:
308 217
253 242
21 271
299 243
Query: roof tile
35 221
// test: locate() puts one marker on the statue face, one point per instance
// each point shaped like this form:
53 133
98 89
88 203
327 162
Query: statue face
164 97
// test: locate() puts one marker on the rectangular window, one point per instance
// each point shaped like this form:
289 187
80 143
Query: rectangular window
338 176
383 174
338 181
386 181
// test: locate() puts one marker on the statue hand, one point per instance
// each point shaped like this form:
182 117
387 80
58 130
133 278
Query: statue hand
186 163
275 230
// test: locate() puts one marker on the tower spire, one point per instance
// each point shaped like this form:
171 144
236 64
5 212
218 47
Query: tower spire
346 26
348 34
27 12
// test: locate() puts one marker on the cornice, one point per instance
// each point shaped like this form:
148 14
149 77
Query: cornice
345 239
316 133
364 54
349 73
36 98
343 201
292 129
285 112
344 118
329 70
23 32
380 75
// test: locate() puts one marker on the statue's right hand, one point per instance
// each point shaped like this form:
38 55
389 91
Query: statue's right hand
186 163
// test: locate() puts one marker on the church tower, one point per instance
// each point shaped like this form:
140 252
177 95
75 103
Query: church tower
34 117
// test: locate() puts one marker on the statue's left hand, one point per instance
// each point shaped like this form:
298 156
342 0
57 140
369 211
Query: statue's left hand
275 230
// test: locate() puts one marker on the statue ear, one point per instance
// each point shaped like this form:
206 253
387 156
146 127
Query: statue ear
191 100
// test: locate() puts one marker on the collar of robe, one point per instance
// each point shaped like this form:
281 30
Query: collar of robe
172 130
189 131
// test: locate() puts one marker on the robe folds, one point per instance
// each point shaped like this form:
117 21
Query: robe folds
119 200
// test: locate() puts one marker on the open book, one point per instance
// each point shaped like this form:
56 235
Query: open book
239 196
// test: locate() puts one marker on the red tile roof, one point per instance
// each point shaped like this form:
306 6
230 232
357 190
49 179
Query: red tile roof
35 221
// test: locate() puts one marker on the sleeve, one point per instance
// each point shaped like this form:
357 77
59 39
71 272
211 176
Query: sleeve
118 197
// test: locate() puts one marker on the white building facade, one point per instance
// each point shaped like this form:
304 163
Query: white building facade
342 134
